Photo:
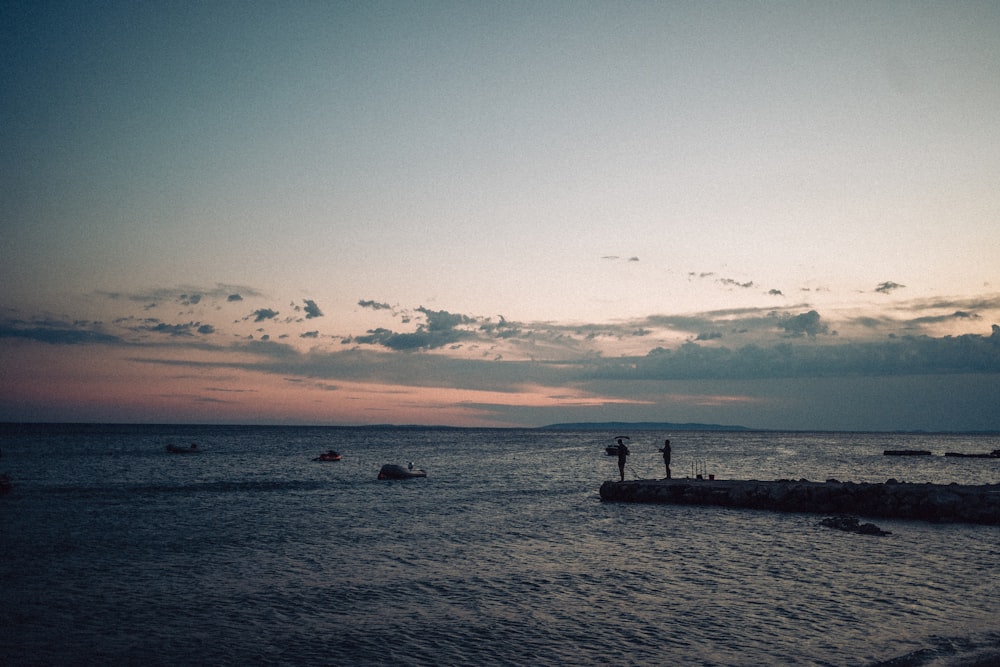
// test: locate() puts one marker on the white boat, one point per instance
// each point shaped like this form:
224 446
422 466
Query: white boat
395 471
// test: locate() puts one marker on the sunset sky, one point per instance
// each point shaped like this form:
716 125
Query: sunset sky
778 215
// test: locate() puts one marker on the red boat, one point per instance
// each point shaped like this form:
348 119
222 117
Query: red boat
328 456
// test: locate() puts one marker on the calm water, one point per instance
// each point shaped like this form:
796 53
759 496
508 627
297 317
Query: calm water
115 552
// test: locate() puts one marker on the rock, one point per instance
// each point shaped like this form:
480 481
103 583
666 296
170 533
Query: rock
898 500
851 524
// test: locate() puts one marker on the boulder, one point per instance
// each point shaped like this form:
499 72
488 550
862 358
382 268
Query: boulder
851 524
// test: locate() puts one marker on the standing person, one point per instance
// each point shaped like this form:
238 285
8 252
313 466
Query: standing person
623 453
666 456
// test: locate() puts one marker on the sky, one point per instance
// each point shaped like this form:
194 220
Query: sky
781 215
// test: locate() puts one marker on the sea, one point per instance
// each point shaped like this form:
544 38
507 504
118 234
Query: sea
115 552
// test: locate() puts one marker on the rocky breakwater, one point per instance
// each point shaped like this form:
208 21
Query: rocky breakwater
897 500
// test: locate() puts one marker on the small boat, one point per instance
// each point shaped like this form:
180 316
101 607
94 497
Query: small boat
328 456
6 486
177 449
394 471
906 452
995 454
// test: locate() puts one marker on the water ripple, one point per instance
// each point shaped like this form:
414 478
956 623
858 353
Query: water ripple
112 552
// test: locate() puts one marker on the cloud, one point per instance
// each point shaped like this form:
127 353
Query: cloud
936 319
188 296
374 305
441 329
57 333
927 314
262 314
732 320
969 354
904 356
439 320
207 399
500 329
806 324
629 360
423 338
733 283
172 329
153 325
888 287
312 310
869 322
977 303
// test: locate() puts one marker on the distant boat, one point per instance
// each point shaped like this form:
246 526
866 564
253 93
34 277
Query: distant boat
328 456
906 452
394 471
177 449
6 486
995 454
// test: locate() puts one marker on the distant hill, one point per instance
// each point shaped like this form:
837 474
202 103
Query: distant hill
643 426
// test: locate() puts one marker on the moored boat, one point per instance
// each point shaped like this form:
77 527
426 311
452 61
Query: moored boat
177 449
328 456
395 471
906 452
995 454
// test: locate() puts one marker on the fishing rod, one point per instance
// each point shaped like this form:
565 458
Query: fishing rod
631 468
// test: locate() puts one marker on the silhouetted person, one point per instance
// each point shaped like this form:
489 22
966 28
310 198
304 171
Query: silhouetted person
666 456
623 453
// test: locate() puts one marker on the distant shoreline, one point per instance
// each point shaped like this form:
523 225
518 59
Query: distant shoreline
643 426
12 427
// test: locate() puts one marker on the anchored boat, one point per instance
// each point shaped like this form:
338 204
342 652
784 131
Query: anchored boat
395 471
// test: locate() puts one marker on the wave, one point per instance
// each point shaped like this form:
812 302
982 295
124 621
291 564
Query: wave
227 486
981 650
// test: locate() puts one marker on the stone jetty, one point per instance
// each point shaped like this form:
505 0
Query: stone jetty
891 499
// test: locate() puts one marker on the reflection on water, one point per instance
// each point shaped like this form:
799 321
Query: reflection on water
250 552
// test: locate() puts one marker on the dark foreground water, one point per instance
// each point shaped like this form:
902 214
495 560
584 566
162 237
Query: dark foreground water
114 552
